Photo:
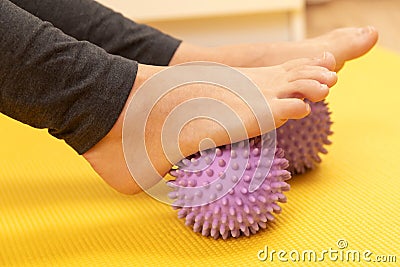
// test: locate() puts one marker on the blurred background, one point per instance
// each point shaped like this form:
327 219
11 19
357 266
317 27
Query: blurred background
383 14
217 22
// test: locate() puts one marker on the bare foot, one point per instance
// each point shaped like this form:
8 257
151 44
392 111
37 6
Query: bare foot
283 86
345 44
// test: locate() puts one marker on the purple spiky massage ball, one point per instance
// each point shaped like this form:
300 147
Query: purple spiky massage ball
302 140
238 211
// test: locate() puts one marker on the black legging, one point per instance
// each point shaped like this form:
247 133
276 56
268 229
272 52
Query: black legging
59 78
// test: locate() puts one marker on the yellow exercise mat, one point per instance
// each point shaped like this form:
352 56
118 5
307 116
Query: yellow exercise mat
55 211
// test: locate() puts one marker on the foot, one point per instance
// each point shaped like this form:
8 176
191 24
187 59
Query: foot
283 86
345 44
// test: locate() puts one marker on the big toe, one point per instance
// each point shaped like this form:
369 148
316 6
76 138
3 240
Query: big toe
364 40
351 43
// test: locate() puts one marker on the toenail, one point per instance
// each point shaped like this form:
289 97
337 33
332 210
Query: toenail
308 108
371 29
330 74
367 30
320 56
324 87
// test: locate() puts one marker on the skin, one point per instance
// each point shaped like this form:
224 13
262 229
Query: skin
344 43
284 83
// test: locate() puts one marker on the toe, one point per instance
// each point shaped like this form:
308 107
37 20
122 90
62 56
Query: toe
289 108
326 60
310 89
363 42
317 73
349 43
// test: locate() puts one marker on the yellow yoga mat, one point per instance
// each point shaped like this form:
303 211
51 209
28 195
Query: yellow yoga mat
55 211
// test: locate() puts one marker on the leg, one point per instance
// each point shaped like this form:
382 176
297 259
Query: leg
77 90
90 21
87 20
50 80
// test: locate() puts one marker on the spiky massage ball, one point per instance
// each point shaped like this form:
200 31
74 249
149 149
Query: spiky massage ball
238 211
302 140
